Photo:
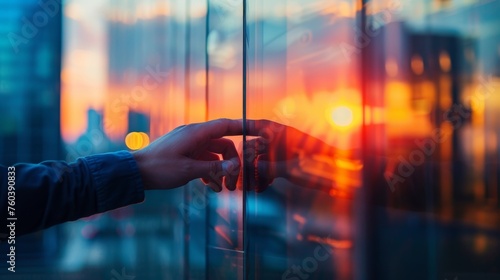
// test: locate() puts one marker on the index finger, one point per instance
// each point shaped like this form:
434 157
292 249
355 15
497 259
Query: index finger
219 128
286 136
261 127
265 128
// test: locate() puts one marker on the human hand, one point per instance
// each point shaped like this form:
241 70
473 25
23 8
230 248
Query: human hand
189 152
286 152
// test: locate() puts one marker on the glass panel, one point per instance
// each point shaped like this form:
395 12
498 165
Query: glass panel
124 84
29 115
405 94
224 95
437 63
302 226
193 208
388 167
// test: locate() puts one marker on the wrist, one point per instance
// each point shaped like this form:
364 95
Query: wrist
139 158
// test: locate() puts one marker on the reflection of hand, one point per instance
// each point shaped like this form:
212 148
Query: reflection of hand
189 152
281 151
192 151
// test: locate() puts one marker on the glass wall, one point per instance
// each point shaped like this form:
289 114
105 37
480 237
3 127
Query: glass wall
225 211
303 224
440 190
403 93
387 166
133 71
30 66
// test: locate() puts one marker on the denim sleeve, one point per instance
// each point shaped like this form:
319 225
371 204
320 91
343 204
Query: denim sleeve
53 192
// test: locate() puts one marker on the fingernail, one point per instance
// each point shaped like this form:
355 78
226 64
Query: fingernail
230 185
215 187
227 166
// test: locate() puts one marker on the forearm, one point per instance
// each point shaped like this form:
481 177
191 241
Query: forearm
54 192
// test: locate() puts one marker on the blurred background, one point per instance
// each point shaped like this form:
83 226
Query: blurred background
407 92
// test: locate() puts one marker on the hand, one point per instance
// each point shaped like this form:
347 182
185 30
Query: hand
189 152
284 151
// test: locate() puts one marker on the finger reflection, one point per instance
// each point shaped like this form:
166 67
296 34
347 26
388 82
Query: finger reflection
282 151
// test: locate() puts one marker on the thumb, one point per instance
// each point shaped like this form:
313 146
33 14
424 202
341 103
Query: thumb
212 169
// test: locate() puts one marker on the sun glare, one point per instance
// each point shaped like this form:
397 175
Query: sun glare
342 116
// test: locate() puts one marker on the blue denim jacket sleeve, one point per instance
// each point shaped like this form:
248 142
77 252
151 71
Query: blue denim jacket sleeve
53 192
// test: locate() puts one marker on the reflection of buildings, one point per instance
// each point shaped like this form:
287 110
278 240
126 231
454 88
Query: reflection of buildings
425 75
93 140
153 62
442 68
138 131
29 85
138 122
424 79
30 103
436 140
432 91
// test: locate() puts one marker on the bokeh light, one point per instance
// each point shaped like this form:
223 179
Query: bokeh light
136 140
342 116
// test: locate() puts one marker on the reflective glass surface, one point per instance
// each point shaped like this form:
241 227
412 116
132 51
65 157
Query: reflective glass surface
387 166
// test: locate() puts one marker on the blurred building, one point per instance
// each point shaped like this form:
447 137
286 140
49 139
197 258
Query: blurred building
138 122
140 68
30 65
94 140
158 63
